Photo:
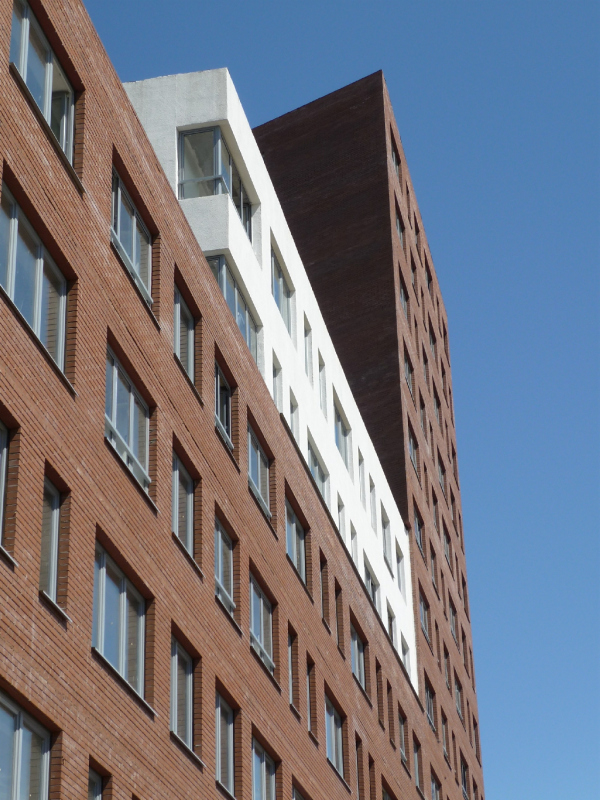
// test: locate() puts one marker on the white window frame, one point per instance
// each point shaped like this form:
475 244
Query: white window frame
391 626
101 562
262 462
118 191
223 548
177 653
372 585
386 536
334 737
236 302
123 448
183 315
223 393
263 761
400 577
49 587
308 355
295 541
22 721
424 615
180 474
357 657
222 706
257 637
343 437
282 294
361 480
29 21
318 472
373 503
322 385
3 476
16 219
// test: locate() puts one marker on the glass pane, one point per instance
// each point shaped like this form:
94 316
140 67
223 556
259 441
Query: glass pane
94 786
46 556
198 162
227 566
15 34
256 615
134 621
50 324
225 170
109 388
62 97
7 743
142 254
122 416
182 698
184 338
182 508
241 315
32 748
112 595
225 747
253 465
257 787
127 222
140 426
236 190
230 291
37 56
24 294
5 209
96 614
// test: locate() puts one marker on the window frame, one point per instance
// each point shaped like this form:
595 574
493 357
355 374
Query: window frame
179 306
51 586
321 477
424 615
263 465
179 471
223 541
179 652
334 736
94 785
221 705
223 391
118 191
295 541
225 277
3 477
372 586
280 289
257 640
22 720
267 772
357 657
342 435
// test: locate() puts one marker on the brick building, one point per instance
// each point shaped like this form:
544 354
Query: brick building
207 584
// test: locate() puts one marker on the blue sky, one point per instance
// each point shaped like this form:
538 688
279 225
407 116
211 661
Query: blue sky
498 108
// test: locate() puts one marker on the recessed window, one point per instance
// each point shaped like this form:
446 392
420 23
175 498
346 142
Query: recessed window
118 623
418 529
437 406
424 614
223 405
224 741
447 666
31 279
430 704
3 471
432 341
445 742
236 301
372 586
341 518
441 474
261 625
405 655
402 734
464 778
24 754
263 773
458 696
361 480
49 87
409 374
453 621
400 571
342 437
282 294
183 505
277 384
131 238
357 657
395 160
207 168
447 547
373 504
94 786
258 471
391 625
334 736
417 764
354 543
183 339
308 358
413 450
295 541
322 386
294 421
436 788
317 471
422 415
224 567
404 298
428 277
50 528
181 693
387 539
126 420
400 228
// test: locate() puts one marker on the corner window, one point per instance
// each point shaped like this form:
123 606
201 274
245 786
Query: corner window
224 567
24 754
33 57
183 343
263 773
126 420
236 302
223 405
295 541
258 471
181 693
118 622
261 625
50 527
31 279
334 737
357 657
131 238
207 168
282 293
224 740
183 505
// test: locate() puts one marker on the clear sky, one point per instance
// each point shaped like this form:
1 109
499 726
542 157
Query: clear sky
498 108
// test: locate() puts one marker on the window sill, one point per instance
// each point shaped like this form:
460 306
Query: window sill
131 476
447 759
8 558
420 792
223 434
189 557
46 127
341 652
392 743
326 624
105 663
187 750
404 761
188 379
340 776
270 674
261 504
53 606
302 581
229 615
295 712
381 724
224 790
115 246
389 566
363 690
37 342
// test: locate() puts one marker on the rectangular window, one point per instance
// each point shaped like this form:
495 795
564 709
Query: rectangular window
417 763
400 571
183 505
437 406
317 471
126 420
404 298
50 528
361 480
432 343
207 168
94 786
308 359
322 386
341 518
131 238
424 615
447 666
282 293
402 734
33 57
261 625
418 529
293 667
294 421
445 742
277 384
433 562
372 587
405 655
223 405
458 696
400 228
3 471
324 577
453 621
354 543
311 716
295 541
181 693
387 539
464 778
183 334
224 567
119 621
430 704
263 773
342 437
224 740
413 450
395 161
31 279
236 301
258 470
409 374
357 657
447 547
373 502
391 625
334 737
423 416
441 474
436 788
425 368
24 754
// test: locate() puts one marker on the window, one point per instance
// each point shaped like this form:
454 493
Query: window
357 657
258 470
402 734
118 623
277 384
126 420
428 277
223 405
413 450
354 543
442 474
372 586
436 406
387 539
447 547
308 363
24 754
418 529
464 778
324 578
391 625
424 614
445 742
261 625
311 715
436 512
373 502
417 763
322 386
183 505
400 571
206 168
361 480
224 567
458 696
436 788
296 794
453 620
405 655
413 273
409 374
425 367
396 161
333 734
31 279
317 471
3 471
404 298
292 666
447 666
417 236
295 540
341 518
400 228
342 437
263 774
433 562
423 416
94 786
430 704
224 740
181 693
131 238
50 527
183 336
236 301
281 291
39 67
